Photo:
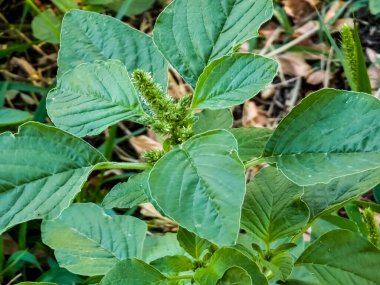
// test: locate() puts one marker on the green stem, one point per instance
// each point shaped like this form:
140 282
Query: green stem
181 277
110 142
22 236
254 162
122 165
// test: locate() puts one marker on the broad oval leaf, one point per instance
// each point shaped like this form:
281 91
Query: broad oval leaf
193 33
272 207
88 36
330 134
342 257
208 120
136 272
93 244
232 80
128 194
207 186
224 259
251 141
92 97
321 197
41 170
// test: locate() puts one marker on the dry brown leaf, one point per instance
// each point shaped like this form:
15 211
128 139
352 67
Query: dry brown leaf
148 210
268 29
144 143
338 25
374 76
253 115
299 9
294 64
333 10
310 25
27 67
10 246
317 77
372 55
268 92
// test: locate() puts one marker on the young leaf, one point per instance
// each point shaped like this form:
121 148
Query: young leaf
342 257
93 244
173 265
282 264
41 170
207 186
208 120
233 79
128 194
224 259
45 27
136 272
235 276
87 107
251 141
89 36
193 33
158 246
314 144
272 208
193 244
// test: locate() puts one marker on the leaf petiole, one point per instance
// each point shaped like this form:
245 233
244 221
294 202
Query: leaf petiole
122 165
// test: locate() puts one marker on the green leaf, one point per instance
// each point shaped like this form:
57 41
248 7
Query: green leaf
158 246
93 244
251 141
36 283
41 170
131 7
235 276
232 80
207 186
364 83
19 258
87 107
212 120
282 264
322 198
272 207
9 117
326 137
224 259
172 265
193 33
45 27
193 244
134 271
128 194
374 7
343 258
65 5
88 36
